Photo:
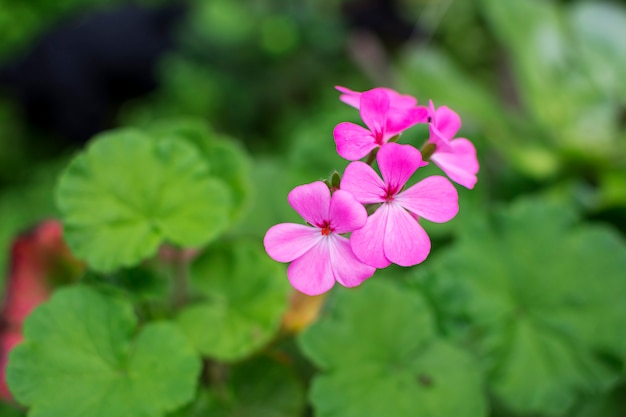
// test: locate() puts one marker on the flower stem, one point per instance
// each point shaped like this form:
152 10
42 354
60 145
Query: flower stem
428 150
372 156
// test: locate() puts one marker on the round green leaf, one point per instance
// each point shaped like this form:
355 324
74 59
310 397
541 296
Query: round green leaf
81 358
542 301
380 356
126 194
227 160
245 294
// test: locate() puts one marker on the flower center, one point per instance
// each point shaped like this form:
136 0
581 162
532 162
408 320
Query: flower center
326 229
391 192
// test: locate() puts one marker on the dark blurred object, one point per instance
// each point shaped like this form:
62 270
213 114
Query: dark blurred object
380 17
75 76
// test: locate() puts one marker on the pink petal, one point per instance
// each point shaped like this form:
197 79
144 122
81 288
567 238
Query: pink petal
353 141
400 119
368 242
312 273
311 201
434 198
347 269
398 100
285 242
447 122
461 165
436 137
346 214
406 242
397 163
374 108
351 98
360 180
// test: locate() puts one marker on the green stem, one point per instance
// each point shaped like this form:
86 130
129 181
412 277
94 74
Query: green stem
372 156
428 150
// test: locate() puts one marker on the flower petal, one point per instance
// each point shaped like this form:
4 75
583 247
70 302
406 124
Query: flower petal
437 138
285 242
447 122
434 198
400 119
312 273
346 214
351 98
374 107
360 180
367 242
406 243
347 269
353 141
461 165
398 100
311 201
397 163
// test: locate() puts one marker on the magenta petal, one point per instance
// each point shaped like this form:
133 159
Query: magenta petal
367 242
351 98
311 201
374 108
397 163
360 180
287 241
406 242
353 141
400 119
434 198
312 273
398 100
461 165
347 269
346 214
442 142
447 122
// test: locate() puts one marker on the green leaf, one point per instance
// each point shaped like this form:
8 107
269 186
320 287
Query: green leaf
379 356
599 28
81 358
227 160
261 387
540 297
555 81
245 295
126 194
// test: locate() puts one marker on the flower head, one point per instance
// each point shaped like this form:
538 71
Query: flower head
319 255
455 156
392 234
385 112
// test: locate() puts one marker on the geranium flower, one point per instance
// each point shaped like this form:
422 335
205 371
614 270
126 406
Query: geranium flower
455 156
319 255
385 112
392 233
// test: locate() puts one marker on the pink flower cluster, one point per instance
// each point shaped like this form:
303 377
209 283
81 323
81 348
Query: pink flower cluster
319 252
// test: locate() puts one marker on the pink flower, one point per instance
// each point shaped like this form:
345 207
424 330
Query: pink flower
392 233
385 112
456 157
319 255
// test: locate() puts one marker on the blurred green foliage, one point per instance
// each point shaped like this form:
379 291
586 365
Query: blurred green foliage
518 312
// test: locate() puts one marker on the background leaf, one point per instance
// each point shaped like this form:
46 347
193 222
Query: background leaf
244 296
379 355
545 333
126 194
80 358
